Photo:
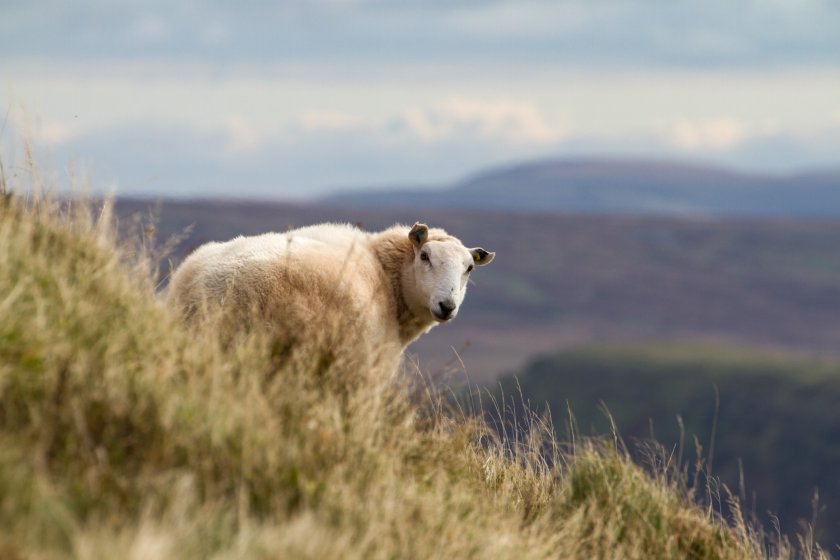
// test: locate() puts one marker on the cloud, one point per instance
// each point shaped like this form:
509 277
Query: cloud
308 156
50 133
328 121
241 157
280 131
506 122
243 136
54 133
716 33
715 134
501 122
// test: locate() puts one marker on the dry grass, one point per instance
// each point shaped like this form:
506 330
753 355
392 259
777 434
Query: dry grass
125 434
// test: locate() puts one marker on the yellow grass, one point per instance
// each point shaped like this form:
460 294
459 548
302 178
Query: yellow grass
126 434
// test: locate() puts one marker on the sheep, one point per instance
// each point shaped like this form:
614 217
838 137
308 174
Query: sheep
334 283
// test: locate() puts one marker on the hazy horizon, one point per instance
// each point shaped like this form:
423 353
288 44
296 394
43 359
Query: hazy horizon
333 193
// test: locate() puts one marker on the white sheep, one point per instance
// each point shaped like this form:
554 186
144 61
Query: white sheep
333 283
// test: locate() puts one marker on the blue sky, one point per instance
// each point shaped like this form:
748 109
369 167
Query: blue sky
294 99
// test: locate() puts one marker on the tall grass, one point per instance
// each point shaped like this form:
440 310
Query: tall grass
125 433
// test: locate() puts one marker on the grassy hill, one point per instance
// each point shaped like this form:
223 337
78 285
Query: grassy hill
768 420
125 434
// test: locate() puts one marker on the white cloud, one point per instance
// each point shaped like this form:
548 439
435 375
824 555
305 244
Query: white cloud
328 121
50 132
509 122
54 133
714 134
457 119
279 125
243 136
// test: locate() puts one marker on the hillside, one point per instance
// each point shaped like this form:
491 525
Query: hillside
124 434
775 415
621 187
561 280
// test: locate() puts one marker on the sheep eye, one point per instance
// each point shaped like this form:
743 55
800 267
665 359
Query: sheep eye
469 269
424 256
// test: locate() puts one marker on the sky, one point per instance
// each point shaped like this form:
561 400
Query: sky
293 99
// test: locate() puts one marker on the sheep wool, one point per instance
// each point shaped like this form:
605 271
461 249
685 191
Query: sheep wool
331 284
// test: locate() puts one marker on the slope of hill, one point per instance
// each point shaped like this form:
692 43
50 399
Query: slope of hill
775 416
123 434
617 186
559 281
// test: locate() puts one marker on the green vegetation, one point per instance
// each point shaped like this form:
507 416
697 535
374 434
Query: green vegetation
124 434
775 416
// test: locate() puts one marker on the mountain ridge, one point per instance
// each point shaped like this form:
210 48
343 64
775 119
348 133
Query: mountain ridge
622 186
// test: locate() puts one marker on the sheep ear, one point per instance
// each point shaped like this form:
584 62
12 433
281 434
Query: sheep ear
419 234
481 257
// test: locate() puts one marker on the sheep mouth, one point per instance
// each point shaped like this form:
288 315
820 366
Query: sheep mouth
441 318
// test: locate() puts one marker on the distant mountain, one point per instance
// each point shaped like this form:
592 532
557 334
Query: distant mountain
617 186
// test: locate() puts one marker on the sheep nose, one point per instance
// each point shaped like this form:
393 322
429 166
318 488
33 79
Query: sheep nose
446 309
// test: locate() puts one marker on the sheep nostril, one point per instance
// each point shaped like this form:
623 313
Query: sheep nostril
446 309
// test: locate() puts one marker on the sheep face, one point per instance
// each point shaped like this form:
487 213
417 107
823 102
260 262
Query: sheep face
441 269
